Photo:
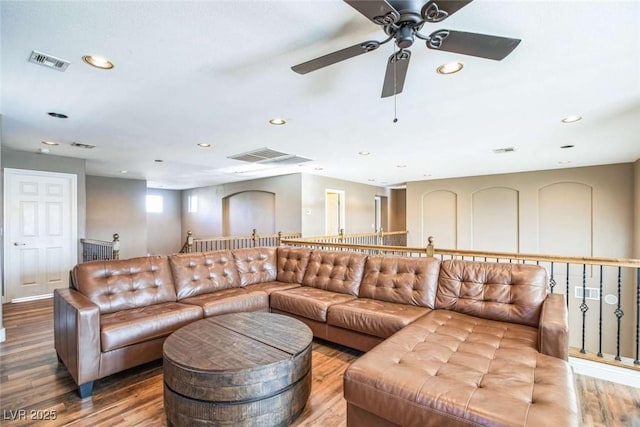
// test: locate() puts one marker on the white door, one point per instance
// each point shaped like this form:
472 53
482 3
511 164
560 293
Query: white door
40 232
334 212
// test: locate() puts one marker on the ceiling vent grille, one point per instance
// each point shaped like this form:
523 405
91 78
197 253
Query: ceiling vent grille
48 61
504 150
80 145
269 156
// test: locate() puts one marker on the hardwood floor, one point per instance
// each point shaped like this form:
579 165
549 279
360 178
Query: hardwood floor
33 386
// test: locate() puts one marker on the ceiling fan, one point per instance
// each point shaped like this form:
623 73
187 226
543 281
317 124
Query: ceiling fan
402 21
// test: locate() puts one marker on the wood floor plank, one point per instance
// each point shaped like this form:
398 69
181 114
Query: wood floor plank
32 380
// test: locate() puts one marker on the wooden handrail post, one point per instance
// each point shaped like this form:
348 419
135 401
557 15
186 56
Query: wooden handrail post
254 237
189 241
380 237
279 238
430 246
116 246
341 233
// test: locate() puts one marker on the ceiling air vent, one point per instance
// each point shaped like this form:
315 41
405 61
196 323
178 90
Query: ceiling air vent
269 156
48 61
79 145
504 150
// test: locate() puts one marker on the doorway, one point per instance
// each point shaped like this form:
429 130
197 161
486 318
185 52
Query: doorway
40 244
381 217
334 212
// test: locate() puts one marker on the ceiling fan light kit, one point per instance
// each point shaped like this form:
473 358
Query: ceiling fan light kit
402 21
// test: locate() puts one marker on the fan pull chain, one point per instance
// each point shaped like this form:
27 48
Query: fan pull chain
395 88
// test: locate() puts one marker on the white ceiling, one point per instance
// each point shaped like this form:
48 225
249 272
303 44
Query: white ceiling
217 71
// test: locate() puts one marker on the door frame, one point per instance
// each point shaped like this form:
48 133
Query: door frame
73 196
341 209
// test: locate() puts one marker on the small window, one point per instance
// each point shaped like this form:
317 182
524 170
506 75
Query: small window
154 203
192 202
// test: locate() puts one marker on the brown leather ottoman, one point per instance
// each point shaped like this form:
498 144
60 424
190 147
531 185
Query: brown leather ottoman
240 369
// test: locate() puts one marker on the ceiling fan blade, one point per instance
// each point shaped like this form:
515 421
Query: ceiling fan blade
337 56
397 67
380 12
439 10
481 45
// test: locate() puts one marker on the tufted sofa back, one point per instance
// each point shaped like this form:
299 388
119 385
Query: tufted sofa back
508 292
255 265
335 271
121 284
292 263
203 272
401 280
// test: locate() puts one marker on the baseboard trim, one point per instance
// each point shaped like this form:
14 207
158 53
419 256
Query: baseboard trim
33 298
629 377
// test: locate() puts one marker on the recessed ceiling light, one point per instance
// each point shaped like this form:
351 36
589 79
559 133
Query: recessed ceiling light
401 166
277 121
571 119
50 143
204 145
567 146
450 68
123 171
158 161
564 162
98 62
364 153
58 115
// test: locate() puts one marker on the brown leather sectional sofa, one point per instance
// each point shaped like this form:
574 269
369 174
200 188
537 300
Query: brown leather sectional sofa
456 342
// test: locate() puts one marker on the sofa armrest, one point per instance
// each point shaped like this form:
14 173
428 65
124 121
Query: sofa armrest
76 325
553 331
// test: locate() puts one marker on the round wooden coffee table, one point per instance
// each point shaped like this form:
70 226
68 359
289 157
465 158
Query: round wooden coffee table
240 369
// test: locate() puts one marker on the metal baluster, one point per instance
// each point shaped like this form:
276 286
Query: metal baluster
567 288
637 360
583 307
552 280
600 318
619 313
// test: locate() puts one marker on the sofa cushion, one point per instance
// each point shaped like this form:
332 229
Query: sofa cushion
270 287
203 272
401 280
255 265
335 271
292 263
308 302
127 327
379 318
508 292
448 368
232 300
116 285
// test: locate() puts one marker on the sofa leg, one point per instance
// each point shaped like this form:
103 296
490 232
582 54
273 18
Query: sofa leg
85 389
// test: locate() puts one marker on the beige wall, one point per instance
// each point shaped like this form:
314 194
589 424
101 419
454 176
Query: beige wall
526 207
116 205
398 209
359 198
164 232
208 220
578 211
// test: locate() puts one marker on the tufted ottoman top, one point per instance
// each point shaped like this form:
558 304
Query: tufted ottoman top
449 368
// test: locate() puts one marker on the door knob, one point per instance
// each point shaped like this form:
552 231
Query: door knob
18 244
